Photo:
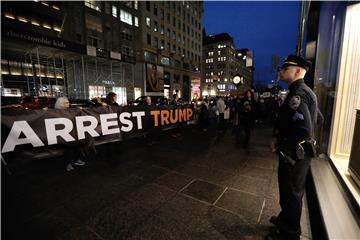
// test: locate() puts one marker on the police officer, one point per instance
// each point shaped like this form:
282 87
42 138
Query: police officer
295 129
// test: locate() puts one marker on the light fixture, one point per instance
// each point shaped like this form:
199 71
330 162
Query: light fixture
46 26
45 3
55 7
34 22
22 19
56 28
9 15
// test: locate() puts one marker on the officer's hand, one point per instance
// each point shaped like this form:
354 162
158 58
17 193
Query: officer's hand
273 145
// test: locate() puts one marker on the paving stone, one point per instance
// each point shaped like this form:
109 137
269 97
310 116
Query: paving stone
251 185
174 181
203 191
56 224
118 221
261 163
256 172
244 204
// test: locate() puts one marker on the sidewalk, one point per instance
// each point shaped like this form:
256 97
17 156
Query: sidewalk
197 186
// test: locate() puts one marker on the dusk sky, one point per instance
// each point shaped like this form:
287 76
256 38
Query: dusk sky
265 27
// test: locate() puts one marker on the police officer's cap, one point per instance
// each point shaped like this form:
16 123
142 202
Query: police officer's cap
293 60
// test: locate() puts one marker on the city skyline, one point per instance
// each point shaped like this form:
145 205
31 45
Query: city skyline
253 25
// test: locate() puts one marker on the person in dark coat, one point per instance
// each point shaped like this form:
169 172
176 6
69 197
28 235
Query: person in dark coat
111 99
295 145
246 116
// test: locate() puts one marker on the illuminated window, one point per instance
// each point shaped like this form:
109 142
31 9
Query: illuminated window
96 5
137 93
126 17
96 91
155 26
4 67
136 21
148 22
114 11
121 95
136 4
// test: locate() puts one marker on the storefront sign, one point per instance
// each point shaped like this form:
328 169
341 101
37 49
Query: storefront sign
44 40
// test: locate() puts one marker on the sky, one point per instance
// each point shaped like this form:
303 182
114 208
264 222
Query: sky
267 28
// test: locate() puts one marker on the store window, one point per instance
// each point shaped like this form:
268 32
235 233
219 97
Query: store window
137 93
348 89
96 91
121 95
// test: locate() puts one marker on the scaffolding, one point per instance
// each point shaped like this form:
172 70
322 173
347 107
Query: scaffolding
53 72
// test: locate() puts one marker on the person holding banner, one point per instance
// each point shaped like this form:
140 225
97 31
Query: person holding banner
111 98
72 155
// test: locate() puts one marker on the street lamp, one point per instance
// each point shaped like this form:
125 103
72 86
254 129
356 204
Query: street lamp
238 80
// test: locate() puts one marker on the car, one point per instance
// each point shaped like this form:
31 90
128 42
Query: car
81 103
155 100
31 102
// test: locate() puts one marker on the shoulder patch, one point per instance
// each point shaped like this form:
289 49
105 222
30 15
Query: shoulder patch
294 102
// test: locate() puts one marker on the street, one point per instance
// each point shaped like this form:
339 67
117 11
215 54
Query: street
196 186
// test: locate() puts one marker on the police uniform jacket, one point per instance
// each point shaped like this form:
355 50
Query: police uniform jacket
297 115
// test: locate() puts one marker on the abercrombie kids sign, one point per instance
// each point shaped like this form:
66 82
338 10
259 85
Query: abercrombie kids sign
42 128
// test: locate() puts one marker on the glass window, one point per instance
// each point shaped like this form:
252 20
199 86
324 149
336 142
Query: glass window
96 91
136 6
165 60
155 10
136 21
93 4
121 95
114 11
137 93
126 17
148 22
155 26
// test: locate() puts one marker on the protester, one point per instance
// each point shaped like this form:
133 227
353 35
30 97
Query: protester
220 106
246 117
111 99
73 152
295 129
175 131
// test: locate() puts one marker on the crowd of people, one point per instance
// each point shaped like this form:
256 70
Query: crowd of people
241 112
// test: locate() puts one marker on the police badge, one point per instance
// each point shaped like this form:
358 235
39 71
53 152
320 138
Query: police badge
294 102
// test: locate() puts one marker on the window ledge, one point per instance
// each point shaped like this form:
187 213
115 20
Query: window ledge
338 215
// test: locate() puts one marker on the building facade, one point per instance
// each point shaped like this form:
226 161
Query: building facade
330 38
79 49
221 63
171 47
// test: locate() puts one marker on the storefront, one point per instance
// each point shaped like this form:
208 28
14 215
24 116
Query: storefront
336 54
